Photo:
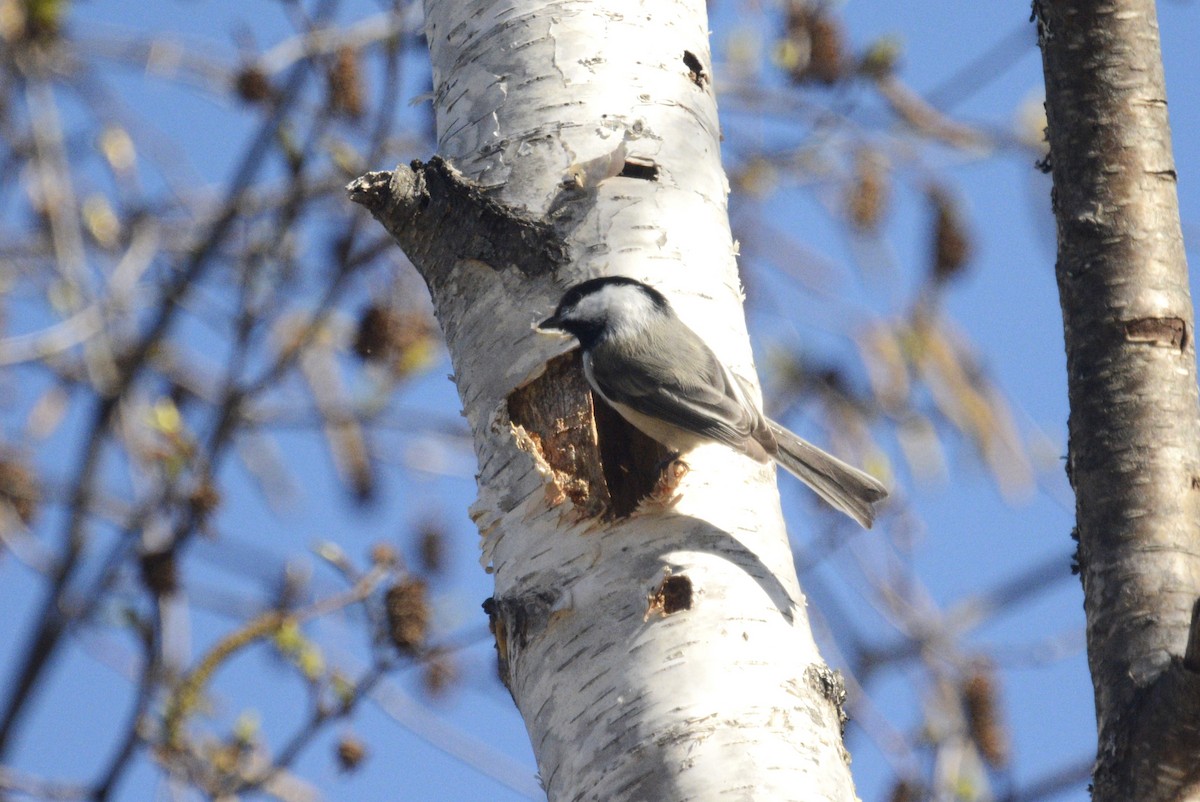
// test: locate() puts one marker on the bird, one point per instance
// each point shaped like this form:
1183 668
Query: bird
662 378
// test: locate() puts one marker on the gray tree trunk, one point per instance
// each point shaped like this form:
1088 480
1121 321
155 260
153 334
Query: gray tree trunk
657 647
1134 451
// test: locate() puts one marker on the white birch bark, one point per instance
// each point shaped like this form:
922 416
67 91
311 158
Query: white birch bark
721 695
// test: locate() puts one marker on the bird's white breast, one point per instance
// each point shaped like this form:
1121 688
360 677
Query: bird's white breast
673 437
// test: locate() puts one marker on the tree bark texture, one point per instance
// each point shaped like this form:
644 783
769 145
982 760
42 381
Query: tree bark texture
1134 449
655 639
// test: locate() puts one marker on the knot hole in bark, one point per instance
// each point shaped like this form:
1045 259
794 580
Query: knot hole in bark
640 168
601 463
696 73
673 595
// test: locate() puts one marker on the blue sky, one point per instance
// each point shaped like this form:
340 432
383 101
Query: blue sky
967 537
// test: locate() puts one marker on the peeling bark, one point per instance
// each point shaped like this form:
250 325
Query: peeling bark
1134 450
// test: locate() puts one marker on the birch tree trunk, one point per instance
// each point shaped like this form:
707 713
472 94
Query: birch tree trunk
657 647
1134 453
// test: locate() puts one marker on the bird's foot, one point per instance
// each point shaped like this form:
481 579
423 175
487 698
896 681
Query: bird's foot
670 473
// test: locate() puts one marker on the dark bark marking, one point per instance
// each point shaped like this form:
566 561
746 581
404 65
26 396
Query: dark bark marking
830 684
513 621
673 595
1191 655
499 632
643 169
696 73
1166 332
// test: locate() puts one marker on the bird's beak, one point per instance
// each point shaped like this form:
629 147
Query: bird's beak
550 324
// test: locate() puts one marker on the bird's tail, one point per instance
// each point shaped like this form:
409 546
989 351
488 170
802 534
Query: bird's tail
845 487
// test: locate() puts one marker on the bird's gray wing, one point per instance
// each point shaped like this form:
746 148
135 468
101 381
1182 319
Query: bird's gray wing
685 386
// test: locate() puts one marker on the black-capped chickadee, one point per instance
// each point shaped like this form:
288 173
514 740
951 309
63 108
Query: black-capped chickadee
662 378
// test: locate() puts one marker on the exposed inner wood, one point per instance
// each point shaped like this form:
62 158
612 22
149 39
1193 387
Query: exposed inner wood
604 465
